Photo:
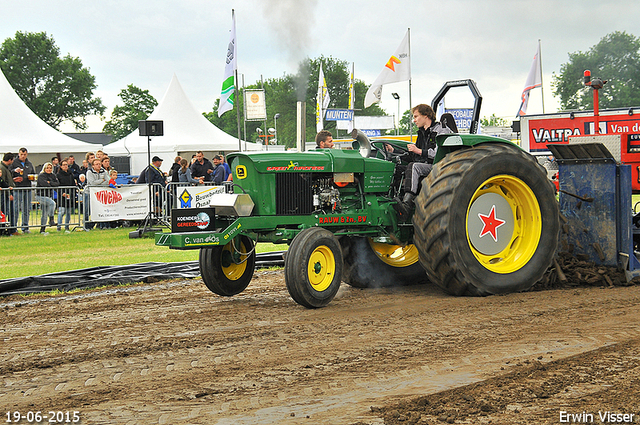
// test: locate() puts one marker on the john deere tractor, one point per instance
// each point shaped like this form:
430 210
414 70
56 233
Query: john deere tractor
485 220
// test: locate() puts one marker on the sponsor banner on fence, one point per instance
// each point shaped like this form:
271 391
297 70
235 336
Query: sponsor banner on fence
128 202
192 220
196 196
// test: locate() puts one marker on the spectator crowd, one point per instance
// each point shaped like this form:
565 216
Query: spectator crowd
61 182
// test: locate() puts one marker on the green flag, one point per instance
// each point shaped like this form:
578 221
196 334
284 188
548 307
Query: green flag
227 97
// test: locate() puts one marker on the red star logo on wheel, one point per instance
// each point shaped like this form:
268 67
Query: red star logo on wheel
491 224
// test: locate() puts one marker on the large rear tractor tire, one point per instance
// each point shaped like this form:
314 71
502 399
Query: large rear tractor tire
313 267
227 270
369 264
486 221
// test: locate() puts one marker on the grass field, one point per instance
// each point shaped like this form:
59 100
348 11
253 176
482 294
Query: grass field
35 254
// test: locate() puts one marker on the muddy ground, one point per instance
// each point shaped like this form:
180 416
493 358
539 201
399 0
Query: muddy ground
174 353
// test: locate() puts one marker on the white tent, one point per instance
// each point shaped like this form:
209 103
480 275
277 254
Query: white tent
20 127
186 131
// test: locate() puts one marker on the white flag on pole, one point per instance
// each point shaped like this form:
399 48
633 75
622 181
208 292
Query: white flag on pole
322 100
227 97
398 68
533 80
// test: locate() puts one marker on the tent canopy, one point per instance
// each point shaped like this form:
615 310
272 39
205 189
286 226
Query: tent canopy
186 131
20 127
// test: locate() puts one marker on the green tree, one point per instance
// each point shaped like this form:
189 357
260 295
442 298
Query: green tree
54 88
138 105
406 122
336 73
615 58
282 94
494 121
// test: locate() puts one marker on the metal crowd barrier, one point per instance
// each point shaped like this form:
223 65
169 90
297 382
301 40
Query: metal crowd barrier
68 207
28 208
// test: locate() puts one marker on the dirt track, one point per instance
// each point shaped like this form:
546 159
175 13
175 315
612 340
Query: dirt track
174 353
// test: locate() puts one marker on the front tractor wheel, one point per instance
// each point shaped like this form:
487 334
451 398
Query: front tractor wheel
228 269
313 267
486 221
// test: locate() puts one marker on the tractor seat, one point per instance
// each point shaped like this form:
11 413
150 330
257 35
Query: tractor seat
447 121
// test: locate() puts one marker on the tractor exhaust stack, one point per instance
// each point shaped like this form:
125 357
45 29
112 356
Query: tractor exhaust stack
301 125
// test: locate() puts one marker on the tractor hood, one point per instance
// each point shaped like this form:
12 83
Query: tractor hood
277 180
320 160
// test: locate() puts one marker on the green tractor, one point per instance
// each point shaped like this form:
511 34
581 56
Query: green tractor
486 219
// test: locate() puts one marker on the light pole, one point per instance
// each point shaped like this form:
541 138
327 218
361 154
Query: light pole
275 126
259 131
272 132
396 96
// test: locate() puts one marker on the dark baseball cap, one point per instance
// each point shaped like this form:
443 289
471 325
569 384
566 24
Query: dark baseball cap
155 158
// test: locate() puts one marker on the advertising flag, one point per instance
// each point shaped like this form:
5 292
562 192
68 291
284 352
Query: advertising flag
227 97
397 68
322 100
533 80
352 96
352 93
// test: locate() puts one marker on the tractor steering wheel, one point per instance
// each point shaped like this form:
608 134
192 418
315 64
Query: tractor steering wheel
394 156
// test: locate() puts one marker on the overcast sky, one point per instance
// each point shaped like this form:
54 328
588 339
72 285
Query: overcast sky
492 42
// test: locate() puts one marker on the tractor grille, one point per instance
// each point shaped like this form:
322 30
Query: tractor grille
294 195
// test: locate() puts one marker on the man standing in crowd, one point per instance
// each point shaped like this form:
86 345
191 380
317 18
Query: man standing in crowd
55 161
7 208
154 175
202 167
73 167
106 163
218 175
20 170
85 166
96 175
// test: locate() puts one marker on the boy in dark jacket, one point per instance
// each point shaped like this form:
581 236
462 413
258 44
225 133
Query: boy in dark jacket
421 155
